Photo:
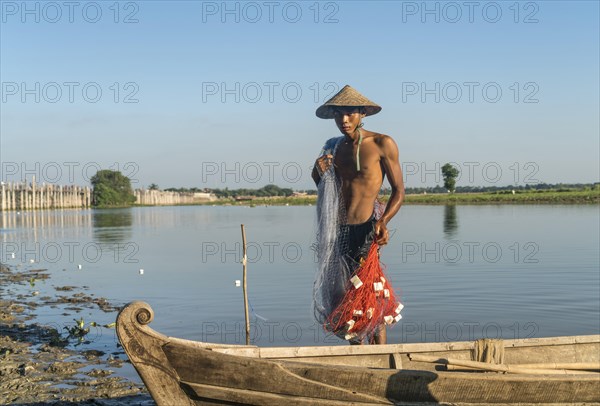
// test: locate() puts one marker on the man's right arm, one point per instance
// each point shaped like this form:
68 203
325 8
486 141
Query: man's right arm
321 165
315 175
324 161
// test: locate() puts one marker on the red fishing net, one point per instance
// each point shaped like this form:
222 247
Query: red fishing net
369 301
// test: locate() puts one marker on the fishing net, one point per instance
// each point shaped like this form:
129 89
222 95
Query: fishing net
369 301
333 271
351 299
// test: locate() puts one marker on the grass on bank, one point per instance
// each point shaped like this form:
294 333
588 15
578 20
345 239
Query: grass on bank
523 197
589 196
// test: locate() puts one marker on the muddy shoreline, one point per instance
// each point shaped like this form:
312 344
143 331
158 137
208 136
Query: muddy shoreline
42 364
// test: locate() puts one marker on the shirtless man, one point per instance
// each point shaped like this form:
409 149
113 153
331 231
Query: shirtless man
361 161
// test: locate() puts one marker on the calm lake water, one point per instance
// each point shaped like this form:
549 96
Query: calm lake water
462 272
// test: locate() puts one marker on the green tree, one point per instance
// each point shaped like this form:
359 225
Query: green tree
450 174
111 189
153 186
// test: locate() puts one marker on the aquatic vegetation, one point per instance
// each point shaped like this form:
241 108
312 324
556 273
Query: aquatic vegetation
79 330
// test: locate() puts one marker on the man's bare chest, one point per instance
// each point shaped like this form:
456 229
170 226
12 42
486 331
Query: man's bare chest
352 161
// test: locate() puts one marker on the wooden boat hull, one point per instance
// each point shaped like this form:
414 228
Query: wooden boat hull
182 372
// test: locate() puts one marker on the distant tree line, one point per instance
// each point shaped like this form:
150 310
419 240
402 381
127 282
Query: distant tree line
187 190
113 189
265 191
273 190
559 187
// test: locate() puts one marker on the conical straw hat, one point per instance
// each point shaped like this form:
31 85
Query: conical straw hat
347 97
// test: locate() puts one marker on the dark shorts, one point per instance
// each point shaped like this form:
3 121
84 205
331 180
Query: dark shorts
359 237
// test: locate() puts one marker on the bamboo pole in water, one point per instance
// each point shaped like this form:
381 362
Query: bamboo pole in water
244 261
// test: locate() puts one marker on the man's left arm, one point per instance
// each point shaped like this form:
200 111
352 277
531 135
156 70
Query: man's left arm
393 170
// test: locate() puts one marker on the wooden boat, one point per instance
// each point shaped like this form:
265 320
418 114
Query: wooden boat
183 372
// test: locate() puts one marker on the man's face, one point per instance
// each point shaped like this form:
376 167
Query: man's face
347 119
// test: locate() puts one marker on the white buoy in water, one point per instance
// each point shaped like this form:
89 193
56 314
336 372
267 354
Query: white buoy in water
141 271
79 266
238 283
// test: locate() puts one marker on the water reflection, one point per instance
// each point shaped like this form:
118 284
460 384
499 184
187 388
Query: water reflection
43 224
112 226
191 261
450 221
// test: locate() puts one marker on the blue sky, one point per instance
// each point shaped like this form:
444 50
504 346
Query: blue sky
197 78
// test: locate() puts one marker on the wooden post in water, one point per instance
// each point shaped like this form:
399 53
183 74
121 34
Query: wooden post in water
244 261
2 197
